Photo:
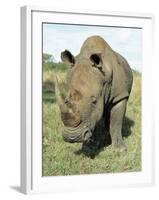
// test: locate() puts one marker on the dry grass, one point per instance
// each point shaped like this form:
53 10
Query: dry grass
60 158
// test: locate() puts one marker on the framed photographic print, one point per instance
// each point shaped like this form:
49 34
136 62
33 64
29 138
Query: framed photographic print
86 100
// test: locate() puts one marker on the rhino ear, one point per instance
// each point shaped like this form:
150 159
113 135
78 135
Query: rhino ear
67 57
104 65
96 60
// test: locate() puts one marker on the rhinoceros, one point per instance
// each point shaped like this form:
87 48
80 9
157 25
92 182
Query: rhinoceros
99 84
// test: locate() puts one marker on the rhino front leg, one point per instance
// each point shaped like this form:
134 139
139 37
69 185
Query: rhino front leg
116 121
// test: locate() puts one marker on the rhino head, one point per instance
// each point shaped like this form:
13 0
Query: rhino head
83 107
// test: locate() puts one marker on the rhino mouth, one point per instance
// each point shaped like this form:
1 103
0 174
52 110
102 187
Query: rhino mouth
80 133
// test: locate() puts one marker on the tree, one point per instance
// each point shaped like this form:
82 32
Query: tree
47 58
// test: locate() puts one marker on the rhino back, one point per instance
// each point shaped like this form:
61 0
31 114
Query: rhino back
94 44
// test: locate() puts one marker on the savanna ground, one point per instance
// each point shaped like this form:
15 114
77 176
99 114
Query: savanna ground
61 158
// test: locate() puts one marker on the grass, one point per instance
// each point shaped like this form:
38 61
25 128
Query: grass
61 158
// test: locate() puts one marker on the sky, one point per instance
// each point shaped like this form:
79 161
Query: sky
126 41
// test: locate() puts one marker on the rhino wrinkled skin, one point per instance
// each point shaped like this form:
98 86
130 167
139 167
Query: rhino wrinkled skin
99 84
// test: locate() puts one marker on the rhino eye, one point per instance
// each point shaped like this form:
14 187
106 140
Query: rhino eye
94 99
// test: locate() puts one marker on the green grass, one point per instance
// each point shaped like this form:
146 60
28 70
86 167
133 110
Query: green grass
61 158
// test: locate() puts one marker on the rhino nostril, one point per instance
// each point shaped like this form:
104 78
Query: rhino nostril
66 101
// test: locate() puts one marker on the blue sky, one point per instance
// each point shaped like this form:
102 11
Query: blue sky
126 41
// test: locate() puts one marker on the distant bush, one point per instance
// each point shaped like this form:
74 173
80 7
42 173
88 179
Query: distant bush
55 66
50 64
136 72
47 58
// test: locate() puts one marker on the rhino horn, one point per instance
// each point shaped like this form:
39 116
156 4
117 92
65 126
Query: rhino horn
63 107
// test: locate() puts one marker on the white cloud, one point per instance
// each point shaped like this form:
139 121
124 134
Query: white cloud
127 41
